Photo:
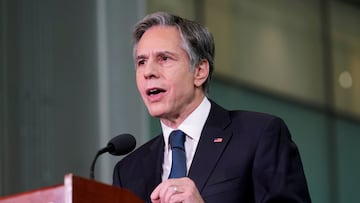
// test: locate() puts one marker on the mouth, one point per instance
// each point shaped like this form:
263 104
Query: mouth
154 91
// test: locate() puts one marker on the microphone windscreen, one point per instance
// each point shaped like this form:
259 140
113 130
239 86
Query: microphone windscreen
121 144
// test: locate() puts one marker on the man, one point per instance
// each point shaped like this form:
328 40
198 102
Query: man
231 156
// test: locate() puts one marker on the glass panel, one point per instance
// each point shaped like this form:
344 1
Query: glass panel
273 45
346 57
348 140
184 8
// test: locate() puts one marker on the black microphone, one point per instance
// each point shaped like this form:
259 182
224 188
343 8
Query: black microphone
119 145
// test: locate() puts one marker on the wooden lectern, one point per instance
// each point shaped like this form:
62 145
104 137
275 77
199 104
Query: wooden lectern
75 190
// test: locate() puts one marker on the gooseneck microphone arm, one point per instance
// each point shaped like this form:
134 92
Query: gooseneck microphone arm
119 145
92 168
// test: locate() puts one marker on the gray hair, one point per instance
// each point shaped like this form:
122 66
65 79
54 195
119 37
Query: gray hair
196 39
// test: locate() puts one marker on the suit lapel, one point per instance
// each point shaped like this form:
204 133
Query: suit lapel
152 164
214 139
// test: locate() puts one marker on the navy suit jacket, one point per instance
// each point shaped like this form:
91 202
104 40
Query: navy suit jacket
256 161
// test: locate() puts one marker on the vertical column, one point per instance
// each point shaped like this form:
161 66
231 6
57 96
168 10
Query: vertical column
120 107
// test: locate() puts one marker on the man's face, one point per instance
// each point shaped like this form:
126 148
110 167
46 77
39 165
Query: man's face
168 87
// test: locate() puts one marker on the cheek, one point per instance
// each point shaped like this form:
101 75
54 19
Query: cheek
139 84
138 78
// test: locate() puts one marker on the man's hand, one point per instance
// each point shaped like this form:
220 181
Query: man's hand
176 190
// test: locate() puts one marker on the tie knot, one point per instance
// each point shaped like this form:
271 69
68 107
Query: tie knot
177 139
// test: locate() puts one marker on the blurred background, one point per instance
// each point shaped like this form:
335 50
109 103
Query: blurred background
68 83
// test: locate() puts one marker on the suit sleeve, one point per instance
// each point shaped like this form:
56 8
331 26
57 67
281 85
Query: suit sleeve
116 177
278 174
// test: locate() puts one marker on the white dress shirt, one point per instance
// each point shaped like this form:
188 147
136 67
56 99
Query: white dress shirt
192 126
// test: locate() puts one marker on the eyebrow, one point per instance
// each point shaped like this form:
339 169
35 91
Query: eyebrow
142 56
158 53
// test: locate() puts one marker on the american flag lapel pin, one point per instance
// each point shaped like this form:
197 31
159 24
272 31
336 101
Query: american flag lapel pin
218 140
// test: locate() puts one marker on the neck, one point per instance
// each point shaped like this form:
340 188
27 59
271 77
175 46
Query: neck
176 120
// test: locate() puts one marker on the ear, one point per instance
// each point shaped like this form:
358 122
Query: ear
201 73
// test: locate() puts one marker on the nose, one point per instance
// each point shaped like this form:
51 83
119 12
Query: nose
151 70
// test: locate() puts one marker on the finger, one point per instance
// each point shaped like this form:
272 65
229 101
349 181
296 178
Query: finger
171 191
176 189
166 189
176 198
162 192
155 201
155 195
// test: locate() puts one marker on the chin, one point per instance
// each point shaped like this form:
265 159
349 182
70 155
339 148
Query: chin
156 110
155 113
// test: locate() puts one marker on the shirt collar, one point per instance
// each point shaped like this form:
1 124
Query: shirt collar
192 125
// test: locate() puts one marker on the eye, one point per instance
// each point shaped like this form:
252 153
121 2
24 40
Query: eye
164 58
140 62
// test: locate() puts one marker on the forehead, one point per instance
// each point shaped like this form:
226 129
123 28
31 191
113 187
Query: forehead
159 38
